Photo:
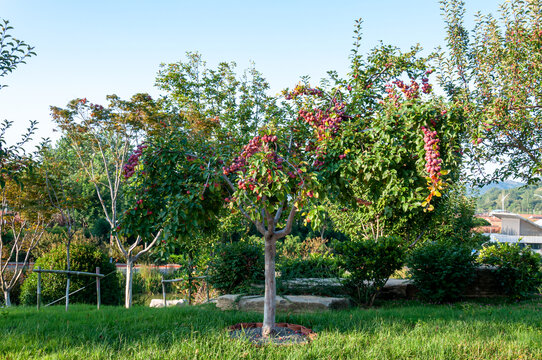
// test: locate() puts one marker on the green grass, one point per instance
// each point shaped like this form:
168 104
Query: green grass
396 330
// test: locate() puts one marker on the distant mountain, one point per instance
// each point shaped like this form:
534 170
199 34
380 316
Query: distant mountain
503 185
517 198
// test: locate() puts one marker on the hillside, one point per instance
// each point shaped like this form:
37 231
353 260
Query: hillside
522 199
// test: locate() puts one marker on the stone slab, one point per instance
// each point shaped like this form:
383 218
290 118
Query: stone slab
158 303
286 303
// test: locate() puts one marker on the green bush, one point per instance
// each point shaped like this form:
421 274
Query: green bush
236 266
441 270
84 257
369 263
313 266
518 269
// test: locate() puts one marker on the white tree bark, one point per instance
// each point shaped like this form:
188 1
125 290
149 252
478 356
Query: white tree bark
7 298
130 261
270 286
129 277
20 239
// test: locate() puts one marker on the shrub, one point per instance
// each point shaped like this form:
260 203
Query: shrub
441 270
84 257
315 265
294 247
518 269
151 279
236 266
369 263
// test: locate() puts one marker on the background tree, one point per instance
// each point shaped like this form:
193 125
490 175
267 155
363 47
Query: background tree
23 215
495 74
400 147
14 163
172 186
64 198
103 139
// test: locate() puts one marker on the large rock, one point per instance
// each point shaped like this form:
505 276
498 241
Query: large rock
158 303
486 283
398 289
287 303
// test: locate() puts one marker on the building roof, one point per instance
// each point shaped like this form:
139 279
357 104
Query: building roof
521 218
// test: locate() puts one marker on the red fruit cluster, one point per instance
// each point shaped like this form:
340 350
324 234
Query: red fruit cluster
432 155
302 90
392 95
411 91
133 161
326 122
426 87
253 146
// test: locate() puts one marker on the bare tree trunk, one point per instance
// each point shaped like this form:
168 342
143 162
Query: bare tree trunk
7 298
128 292
270 286
111 246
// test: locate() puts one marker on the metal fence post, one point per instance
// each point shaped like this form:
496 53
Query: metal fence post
164 291
98 293
39 287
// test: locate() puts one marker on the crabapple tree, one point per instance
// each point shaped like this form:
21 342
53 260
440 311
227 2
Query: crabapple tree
276 176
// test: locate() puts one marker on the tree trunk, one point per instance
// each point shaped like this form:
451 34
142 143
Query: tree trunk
129 272
7 298
111 246
270 286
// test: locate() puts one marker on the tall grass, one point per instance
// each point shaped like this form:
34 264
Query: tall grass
397 330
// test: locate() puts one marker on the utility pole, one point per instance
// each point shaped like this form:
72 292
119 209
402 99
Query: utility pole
540 196
503 198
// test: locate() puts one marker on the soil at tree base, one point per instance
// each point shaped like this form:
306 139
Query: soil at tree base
283 334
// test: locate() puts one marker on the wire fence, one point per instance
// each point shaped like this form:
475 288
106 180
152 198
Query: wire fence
80 289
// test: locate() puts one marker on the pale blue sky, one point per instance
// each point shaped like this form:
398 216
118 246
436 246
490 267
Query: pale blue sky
95 48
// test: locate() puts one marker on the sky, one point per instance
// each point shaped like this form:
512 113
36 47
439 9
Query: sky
95 48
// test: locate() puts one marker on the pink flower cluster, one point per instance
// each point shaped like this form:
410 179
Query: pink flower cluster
133 161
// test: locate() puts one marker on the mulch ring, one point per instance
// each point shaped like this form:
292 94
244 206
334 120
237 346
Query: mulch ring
283 334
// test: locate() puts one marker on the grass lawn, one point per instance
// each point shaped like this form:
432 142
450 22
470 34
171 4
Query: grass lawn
396 330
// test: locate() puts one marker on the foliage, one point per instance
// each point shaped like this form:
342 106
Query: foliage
314 265
236 266
12 51
85 256
441 270
369 263
454 220
172 185
399 149
293 247
310 258
217 100
495 76
519 269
